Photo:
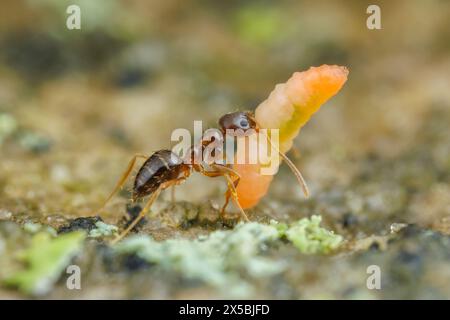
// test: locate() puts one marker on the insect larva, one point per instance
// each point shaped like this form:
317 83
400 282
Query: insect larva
290 105
288 108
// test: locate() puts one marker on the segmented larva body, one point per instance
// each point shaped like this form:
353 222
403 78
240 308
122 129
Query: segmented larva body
288 108
291 104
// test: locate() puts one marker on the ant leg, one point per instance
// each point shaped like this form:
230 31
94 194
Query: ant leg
213 174
122 180
172 194
144 210
227 200
235 183
232 191
172 184
225 172
141 215
228 170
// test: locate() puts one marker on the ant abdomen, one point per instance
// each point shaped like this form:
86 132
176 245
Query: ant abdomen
161 167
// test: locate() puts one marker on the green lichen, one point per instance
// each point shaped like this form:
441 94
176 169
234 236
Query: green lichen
218 259
34 142
221 258
103 230
307 236
45 259
32 227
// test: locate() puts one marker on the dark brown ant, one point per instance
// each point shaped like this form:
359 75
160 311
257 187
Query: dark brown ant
165 169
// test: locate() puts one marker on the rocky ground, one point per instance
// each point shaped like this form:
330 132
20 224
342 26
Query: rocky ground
74 108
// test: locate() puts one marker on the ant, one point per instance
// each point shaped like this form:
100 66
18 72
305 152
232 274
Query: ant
165 169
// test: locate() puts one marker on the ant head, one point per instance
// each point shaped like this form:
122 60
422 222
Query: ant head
237 120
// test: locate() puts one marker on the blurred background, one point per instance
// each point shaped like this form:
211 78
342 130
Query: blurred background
75 105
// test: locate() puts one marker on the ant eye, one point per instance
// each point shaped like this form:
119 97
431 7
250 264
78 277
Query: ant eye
244 123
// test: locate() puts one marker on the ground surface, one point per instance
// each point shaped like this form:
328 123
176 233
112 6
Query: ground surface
74 108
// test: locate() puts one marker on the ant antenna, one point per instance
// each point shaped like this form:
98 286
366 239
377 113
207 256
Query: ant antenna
294 169
291 165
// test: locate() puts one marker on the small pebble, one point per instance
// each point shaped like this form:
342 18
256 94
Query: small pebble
5 214
60 173
83 223
396 227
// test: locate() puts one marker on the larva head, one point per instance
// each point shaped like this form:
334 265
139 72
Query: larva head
237 121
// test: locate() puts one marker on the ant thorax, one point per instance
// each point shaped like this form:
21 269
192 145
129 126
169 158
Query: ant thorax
227 146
